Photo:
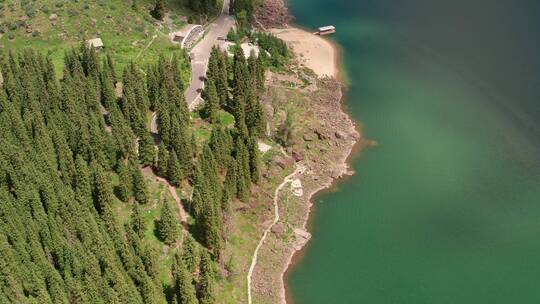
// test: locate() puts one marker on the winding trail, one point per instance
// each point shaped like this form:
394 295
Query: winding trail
286 180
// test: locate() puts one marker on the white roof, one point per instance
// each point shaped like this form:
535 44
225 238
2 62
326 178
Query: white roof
327 28
96 42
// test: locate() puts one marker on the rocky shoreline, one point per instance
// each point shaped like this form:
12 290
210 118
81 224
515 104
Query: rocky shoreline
325 140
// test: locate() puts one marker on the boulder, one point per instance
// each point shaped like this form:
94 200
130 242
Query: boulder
309 136
279 229
340 135
53 18
284 162
298 156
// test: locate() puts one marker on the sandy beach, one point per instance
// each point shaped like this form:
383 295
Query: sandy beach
315 52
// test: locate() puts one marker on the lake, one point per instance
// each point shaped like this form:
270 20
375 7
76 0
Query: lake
446 208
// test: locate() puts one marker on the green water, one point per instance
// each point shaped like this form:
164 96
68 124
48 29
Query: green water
446 209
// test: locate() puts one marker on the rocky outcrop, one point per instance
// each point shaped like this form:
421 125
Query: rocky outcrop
272 14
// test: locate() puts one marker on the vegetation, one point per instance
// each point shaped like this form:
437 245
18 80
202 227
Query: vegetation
63 243
80 219
127 29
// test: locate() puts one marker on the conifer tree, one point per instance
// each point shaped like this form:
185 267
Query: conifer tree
147 151
184 289
168 228
125 187
212 101
158 11
140 189
254 160
190 253
138 223
163 160
174 170
206 283
244 173
103 195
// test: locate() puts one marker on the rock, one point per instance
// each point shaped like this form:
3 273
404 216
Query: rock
309 136
241 207
302 237
340 135
279 229
336 173
53 17
284 162
321 134
298 156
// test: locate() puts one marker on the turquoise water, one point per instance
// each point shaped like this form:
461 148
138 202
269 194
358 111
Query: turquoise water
446 209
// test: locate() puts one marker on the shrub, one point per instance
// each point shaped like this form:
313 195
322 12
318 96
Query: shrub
73 12
11 36
35 33
45 9
59 4
30 11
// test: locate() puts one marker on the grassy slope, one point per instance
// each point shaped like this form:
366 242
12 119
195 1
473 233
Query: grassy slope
128 34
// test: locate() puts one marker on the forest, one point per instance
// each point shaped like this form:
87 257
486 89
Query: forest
72 151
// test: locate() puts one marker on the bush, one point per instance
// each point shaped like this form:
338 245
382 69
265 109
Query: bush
30 11
59 4
11 36
73 12
35 34
45 9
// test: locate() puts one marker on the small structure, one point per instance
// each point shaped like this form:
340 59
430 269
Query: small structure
96 43
188 36
296 187
326 30
248 48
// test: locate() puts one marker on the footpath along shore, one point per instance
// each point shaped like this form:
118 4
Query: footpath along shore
329 137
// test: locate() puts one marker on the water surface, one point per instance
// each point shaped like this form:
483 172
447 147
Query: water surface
446 209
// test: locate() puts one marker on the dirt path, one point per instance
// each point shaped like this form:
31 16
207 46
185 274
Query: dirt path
174 194
286 180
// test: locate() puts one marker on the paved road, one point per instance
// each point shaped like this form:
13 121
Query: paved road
201 53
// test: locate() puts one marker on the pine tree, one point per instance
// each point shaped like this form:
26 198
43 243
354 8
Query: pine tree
244 172
147 150
254 160
158 11
206 284
138 224
125 188
168 228
103 195
174 170
163 160
140 189
184 289
190 253
212 101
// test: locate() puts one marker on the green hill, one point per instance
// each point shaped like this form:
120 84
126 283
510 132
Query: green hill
129 33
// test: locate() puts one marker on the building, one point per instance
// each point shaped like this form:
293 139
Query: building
96 43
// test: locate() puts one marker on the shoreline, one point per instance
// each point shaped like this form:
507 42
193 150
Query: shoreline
331 182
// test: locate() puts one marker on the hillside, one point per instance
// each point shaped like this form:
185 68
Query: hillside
128 33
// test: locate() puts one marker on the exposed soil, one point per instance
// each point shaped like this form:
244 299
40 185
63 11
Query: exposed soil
324 137
272 14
